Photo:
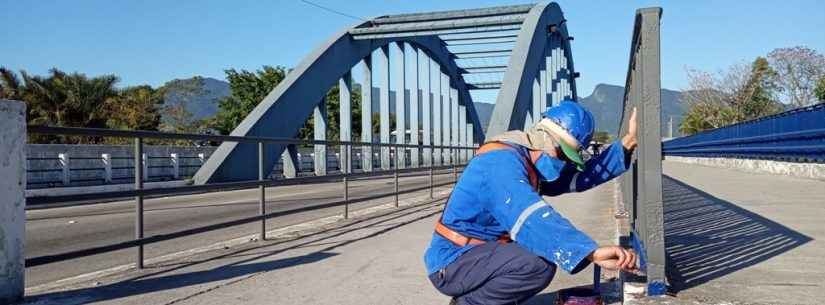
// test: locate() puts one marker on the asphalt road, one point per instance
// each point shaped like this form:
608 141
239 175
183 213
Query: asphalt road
59 230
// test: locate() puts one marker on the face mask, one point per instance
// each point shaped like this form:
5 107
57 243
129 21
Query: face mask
548 167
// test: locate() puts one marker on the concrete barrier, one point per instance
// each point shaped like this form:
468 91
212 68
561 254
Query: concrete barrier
800 170
12 199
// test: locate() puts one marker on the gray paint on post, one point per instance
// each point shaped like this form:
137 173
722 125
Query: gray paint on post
426 107
438 97
462 131
384 104
454 123
366 113
12 209
345 114
445 117
320 133
399 78
415 102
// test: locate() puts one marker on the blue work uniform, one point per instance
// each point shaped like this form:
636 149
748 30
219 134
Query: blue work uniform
494 197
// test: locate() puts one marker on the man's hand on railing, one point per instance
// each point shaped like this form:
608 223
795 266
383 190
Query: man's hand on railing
629 140
615 258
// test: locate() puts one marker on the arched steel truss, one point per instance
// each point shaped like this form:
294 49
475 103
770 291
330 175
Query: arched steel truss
539 61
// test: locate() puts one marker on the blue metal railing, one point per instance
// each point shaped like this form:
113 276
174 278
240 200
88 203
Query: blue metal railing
795 135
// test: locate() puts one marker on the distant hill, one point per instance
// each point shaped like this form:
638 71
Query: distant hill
199 95
606 104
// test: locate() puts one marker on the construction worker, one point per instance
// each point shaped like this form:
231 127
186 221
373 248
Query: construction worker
498 241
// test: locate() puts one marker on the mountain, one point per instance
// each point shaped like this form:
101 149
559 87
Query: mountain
606 104
198 95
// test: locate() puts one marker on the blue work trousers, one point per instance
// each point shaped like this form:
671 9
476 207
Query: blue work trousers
494 273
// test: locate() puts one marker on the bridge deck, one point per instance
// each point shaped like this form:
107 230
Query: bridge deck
733 236
375 260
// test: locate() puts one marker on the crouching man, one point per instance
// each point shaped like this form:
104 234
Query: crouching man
498 241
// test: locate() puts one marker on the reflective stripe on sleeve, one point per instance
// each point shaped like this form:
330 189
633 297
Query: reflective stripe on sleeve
521 218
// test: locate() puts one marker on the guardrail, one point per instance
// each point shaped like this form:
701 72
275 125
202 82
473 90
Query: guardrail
796 135
454 157
641 186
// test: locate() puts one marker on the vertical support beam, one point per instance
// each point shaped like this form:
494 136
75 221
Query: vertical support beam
462 132
291 161
556 62
548 69
384 105
426 108
650 149
261 191
320 134
438 98
12 209
345 114
536 102
445 117
399 78
543 82
139 158
65 168
107 167
366 114
415 101
454 124
175 161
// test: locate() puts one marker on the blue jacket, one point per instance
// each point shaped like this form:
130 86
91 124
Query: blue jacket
494 197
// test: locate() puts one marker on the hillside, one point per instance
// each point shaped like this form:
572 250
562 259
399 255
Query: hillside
606 104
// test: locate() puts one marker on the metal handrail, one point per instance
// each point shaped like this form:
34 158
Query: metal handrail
140 193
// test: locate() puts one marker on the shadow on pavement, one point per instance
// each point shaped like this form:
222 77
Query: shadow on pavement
236 271
707 238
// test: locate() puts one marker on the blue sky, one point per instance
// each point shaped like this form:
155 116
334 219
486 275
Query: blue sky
151 42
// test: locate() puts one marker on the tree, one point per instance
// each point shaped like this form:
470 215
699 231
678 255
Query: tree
176 115
135 108
741 93
250 88
798 69
820 89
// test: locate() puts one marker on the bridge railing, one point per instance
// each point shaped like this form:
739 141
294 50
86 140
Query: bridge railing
449 158
641 186
796 135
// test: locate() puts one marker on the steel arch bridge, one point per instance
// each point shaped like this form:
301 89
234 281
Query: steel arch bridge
523 51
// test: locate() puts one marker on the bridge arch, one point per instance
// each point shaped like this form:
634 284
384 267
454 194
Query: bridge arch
305 87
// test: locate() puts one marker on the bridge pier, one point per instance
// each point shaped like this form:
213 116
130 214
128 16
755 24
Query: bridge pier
384 105
366 114
12 188
426 108
320 134
398 83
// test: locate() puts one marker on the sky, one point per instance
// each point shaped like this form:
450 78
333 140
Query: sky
152 42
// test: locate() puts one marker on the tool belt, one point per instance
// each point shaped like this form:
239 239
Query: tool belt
459 239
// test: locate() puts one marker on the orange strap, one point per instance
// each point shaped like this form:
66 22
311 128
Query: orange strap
461 240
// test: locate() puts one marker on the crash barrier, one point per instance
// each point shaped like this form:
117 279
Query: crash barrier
797 135
450 158
641 186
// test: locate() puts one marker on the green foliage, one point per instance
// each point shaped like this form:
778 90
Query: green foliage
177 118
820 89
248 90
743 93
75 100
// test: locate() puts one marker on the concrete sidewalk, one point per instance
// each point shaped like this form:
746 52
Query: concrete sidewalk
370 259
743 238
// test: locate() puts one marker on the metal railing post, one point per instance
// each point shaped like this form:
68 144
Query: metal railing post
139 200
432 166
345 171
262 190
396 176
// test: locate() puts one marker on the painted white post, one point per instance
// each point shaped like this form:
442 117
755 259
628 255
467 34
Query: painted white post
107 167
65 167
12 209
202 158
173 158
145 161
